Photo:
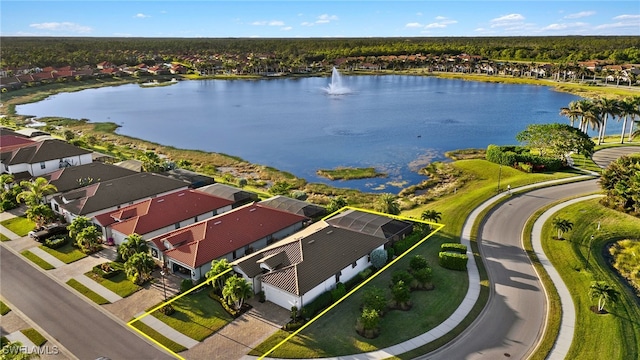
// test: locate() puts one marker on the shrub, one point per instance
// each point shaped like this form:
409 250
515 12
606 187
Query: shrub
56 242
105 270
378 258
338 292
423 276
401 275
418 262
454 247
391 253
453 261
186 285
318 304
374 298
512 155
233 312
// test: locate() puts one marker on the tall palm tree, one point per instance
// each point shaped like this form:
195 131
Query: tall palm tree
236 290
139 266
220 270
35 191
5 179
88 240
572 112
589 115
634 123
627 108
607 107
40 214
132 245
603 292
388 203
77 225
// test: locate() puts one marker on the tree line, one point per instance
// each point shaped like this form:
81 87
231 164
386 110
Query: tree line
79 51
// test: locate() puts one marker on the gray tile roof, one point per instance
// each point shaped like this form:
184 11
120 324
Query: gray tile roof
229 192
372 224
69 178
120 191
45 150
295 206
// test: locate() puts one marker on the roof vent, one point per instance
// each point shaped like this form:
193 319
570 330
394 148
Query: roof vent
311 241
217 222
252 209
329 232
181 194
160 200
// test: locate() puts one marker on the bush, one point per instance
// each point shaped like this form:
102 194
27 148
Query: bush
454 247
105 270
233 312
418 262
401 275
356 280
513 155
318 304
56 242
338 292
453 261
186 285
374 298
378 258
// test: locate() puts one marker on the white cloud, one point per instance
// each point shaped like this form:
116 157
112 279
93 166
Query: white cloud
508 18
62 27
414 25
565 26
441 23
141 16
306 23
287 28
627 17
419 14
276 23
268 23
435 26
580 14
440 18
259 23
326 18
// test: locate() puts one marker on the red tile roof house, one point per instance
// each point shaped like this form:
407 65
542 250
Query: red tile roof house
234 234
42 157
296 270
157 216
106 196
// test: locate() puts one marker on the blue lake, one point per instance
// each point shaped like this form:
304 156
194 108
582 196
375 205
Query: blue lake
396 124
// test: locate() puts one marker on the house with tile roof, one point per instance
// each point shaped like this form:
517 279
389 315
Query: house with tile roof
372 224
296 270
238 196
114 194
190 250
42 157
295 206
162 214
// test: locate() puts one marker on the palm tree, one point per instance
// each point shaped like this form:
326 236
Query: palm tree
77 225
562 225
236 290
606 107
572 112
387 203
626 107
132 245
139 266
88 240
40 214
431 215
221 269
589 115
35 190
603 292
5 179
634 123
15 350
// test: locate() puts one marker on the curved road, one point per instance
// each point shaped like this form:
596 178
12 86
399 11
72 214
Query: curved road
514 318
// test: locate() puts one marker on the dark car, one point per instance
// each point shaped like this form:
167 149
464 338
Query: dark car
48 231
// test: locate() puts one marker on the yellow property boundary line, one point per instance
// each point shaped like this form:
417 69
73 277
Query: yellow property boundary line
437 227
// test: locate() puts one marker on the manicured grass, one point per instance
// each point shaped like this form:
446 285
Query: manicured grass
96 298
67 253
197 315
152 333
19 225
625 260
617 333
3 237
430 309
119 284
349 173
36 260
36 338
4 309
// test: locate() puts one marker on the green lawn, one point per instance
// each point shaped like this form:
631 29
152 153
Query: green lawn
67 253
119 284
430 309
4 309
152 333
36 338
36 260
197 315
3 237
350 173
616 334
19 225
96 298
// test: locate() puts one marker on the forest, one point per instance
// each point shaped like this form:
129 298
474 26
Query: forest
78 51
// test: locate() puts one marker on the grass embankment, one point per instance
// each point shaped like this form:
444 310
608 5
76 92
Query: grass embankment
349 173
196 315
3 237
95 297
153 334
66 253
616 333
36 338
4 309
119 283
625 260
430 308
37 260
19 225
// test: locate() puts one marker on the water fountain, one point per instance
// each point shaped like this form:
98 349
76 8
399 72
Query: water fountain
336 87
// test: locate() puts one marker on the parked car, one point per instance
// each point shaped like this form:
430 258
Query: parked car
48 231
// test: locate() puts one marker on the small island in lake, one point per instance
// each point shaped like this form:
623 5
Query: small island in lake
350 173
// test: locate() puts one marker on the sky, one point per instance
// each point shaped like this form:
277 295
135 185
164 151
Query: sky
304 19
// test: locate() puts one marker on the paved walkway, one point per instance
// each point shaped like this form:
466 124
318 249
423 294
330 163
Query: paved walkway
167 331
568 321
19 336
55 262
98 289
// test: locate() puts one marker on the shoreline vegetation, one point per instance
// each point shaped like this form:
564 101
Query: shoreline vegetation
350 173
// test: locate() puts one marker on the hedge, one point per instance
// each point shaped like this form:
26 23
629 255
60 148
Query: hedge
317 305
56 241
454 247
453 261
356 280
512 155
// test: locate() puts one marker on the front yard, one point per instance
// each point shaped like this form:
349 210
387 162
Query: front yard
67 253
19 225
119 283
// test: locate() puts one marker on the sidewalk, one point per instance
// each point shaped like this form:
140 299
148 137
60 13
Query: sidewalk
98 289
167 331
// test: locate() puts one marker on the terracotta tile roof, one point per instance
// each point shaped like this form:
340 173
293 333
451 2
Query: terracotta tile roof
153 214
9 142
120 191
202 242
44 151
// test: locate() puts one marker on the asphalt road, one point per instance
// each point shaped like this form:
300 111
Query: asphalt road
514 316
78 326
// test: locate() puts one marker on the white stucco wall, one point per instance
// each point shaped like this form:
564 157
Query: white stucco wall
280 297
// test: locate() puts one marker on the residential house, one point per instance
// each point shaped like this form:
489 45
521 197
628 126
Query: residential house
196 179
42 157
238 196
100 197
295 206
296 270
159 215
372 224
232 235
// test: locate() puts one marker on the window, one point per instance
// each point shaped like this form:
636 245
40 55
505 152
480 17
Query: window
154 253
355 263
338 276
177 225
56 208
42 165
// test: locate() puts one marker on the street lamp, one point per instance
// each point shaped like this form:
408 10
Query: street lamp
499 176
164 287
589 251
